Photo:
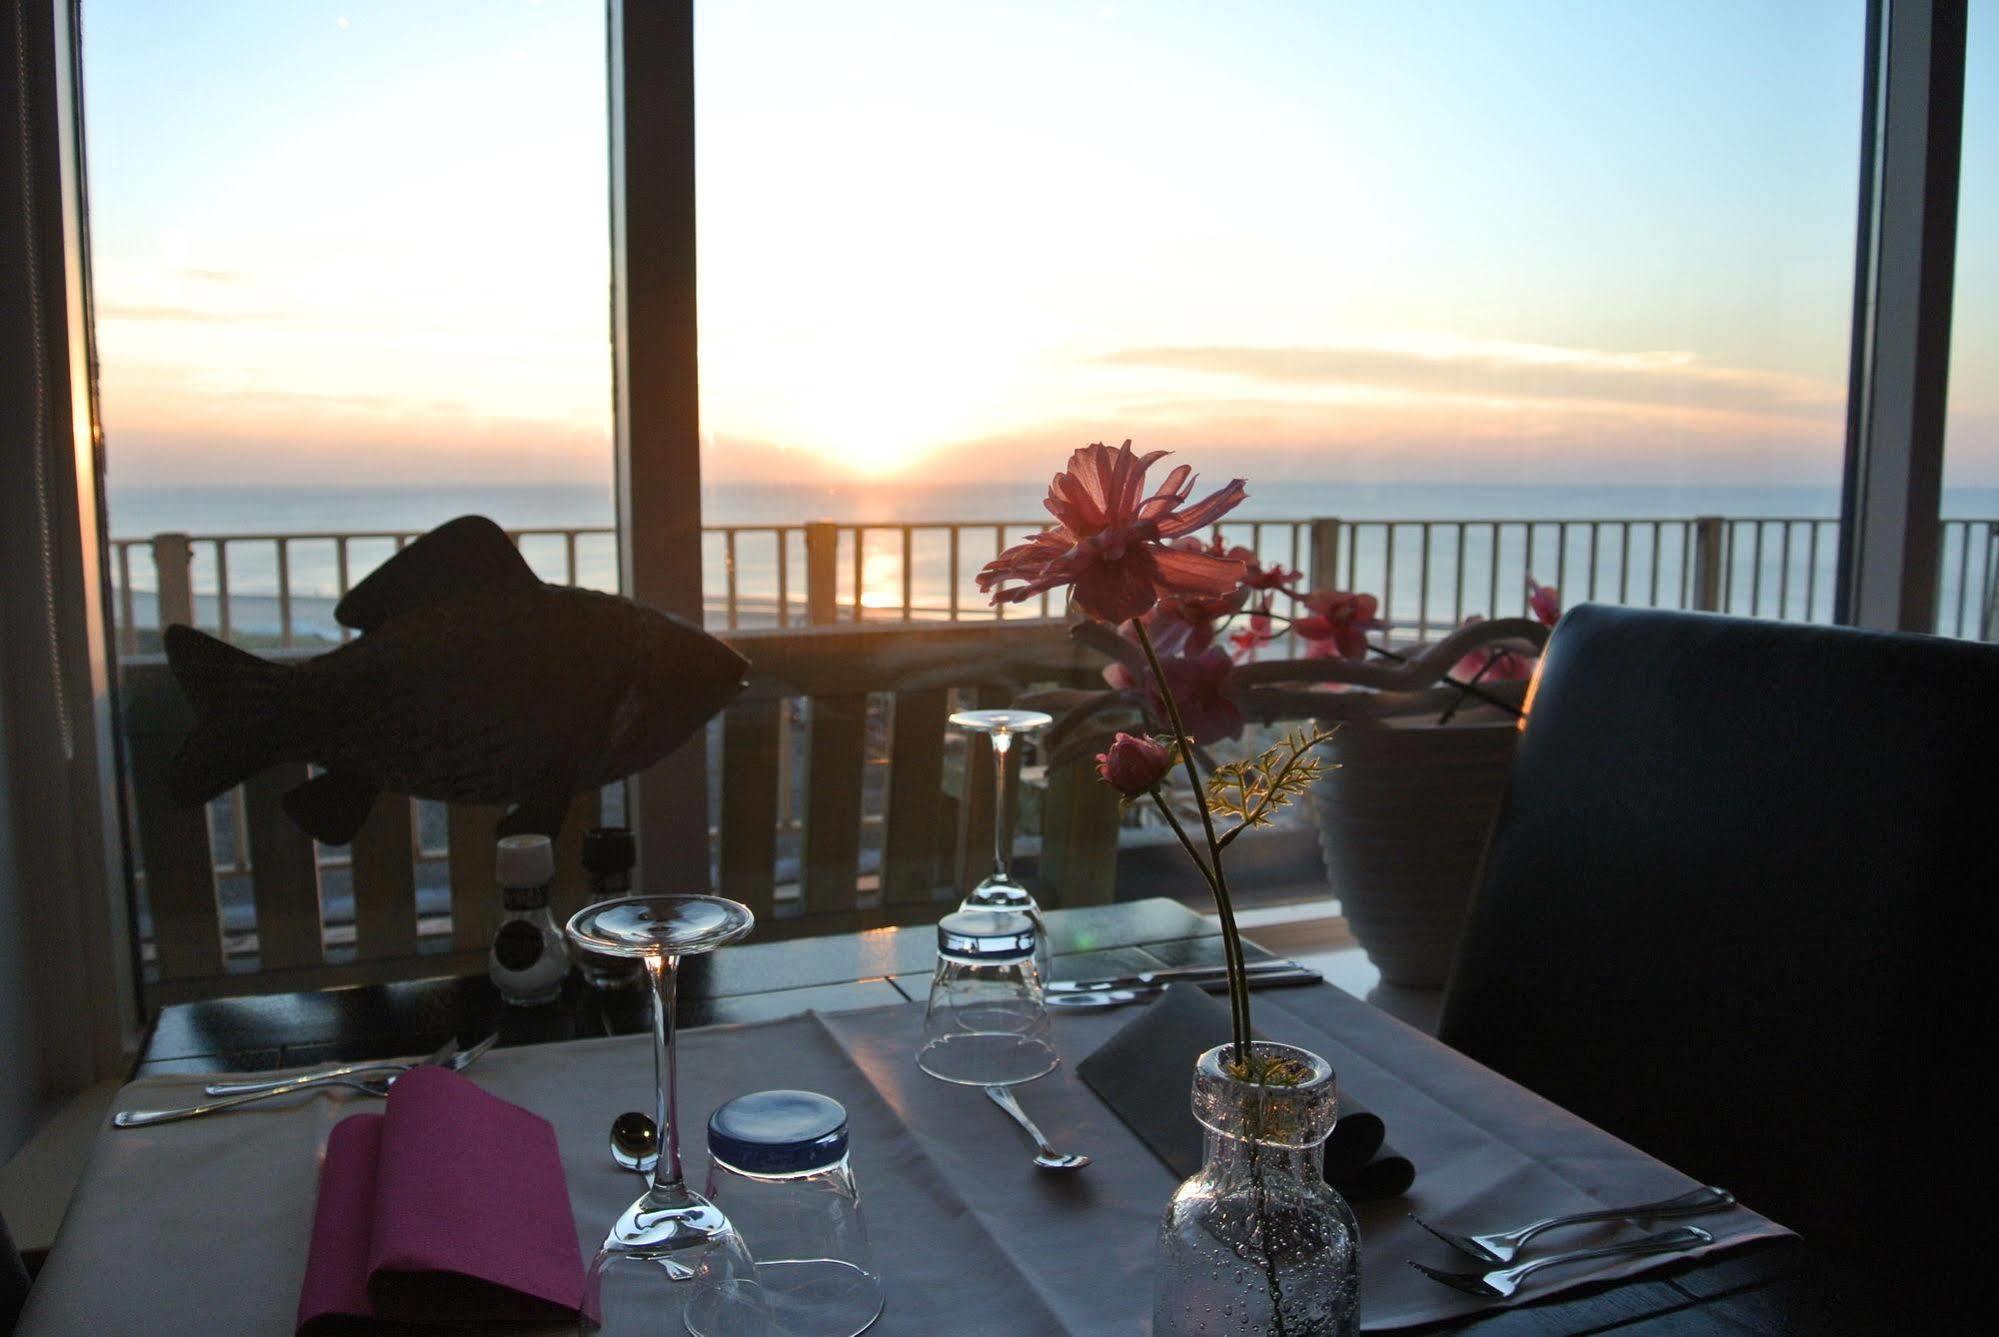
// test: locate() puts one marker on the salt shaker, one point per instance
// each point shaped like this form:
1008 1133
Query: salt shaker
530 958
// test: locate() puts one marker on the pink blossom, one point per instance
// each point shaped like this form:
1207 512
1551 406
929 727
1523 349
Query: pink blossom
1111 541
1338 624
1134 765
1502 661
1199 684
1260 577
1544 601
1185 623
1248 640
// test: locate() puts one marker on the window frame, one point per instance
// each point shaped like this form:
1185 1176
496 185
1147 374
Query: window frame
1905 276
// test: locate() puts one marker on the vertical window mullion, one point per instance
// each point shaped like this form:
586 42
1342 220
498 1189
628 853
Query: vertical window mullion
1902 305
657 384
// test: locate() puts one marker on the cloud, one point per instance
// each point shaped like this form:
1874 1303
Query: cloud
192 314
1452 366
1427 438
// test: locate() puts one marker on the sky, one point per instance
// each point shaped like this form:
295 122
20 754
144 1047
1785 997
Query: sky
1441 241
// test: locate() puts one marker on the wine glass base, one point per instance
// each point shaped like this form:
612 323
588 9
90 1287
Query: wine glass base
1002 721
655 926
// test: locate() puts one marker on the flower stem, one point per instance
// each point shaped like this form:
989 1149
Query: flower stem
1231 935
1186 841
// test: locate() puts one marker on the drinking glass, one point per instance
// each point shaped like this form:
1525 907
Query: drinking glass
999 891
671 1235
987 1021
777 1162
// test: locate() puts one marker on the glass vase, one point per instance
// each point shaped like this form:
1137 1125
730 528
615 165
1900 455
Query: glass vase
1258 1242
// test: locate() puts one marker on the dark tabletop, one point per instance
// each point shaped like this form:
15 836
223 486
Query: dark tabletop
1779 1288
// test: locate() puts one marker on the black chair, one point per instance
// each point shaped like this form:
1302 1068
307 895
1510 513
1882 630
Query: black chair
1738 908
13 1280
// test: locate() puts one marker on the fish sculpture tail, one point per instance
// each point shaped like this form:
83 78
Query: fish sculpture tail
239 705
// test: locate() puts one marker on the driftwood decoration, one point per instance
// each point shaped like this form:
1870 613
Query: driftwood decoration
1279 689
474 682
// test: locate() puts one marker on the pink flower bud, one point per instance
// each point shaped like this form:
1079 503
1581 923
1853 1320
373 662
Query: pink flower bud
1544 601
1134 765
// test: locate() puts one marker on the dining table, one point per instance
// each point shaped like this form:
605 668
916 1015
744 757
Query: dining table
200 1226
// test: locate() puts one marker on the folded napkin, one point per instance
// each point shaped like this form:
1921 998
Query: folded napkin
450 1206
1144 1073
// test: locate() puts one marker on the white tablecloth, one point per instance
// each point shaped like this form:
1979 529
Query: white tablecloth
202 1226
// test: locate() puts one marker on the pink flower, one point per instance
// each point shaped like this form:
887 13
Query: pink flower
1199 684
1248 640
1338 624
1544 601
1111 542
1255 575
1260 577
1185 623
1134 765
1502 661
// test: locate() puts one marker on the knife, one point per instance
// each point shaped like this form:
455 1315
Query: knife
1145 992
1166 975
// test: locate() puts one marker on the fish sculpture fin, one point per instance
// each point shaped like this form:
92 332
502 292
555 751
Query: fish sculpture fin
239 706
331 807
461 557
540 816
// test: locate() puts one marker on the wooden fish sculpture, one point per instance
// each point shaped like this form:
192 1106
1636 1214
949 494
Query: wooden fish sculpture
473 682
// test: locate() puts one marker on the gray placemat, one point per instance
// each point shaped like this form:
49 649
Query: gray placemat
202 1226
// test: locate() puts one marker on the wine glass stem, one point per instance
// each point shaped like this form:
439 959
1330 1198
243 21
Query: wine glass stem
666 1176
1002 810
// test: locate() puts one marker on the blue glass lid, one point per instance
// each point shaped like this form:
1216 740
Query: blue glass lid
985 935
779 1132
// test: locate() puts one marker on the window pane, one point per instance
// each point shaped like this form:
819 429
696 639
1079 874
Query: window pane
1462 261
351 270
1543 289
1968 575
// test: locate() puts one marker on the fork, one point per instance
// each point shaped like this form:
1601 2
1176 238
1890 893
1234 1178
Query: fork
374 1086
1504 1246
448 1056
1503 1282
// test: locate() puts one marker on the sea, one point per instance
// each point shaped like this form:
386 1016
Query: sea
1429 576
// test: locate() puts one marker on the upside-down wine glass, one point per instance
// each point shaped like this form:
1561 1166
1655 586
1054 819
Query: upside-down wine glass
671 1235
999 891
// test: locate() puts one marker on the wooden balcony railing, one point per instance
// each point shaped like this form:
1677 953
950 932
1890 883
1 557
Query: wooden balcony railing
871 705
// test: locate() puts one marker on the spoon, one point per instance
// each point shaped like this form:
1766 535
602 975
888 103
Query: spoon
1046 1157
634 1142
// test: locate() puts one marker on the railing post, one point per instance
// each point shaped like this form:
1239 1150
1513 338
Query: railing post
1988 618
173 578
1324 573
1708 533
822 572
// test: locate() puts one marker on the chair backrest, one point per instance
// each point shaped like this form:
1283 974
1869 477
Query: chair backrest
840 688
1739 908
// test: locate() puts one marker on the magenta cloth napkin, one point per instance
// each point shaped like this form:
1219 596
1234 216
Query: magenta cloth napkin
450 1206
